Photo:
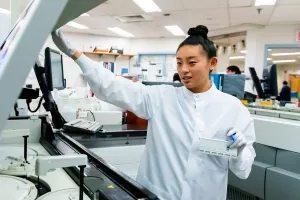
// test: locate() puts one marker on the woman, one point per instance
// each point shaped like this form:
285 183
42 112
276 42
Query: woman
233 70
172 167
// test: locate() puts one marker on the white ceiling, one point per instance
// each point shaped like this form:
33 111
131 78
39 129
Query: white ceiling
219 16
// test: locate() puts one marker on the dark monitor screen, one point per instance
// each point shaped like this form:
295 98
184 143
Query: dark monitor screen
270 81
162 83
54 69
256 83
233 84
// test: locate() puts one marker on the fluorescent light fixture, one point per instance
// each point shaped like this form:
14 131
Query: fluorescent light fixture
265 2
119 31
243 51
284 61
84 15
175 30
269 49
76 25
236 57
269 58
4 11
147 5
286 54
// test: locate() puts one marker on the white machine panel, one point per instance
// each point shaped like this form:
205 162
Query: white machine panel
44 164
277 132
12 187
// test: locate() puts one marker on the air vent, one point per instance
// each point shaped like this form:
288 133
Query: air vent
133 18
236 194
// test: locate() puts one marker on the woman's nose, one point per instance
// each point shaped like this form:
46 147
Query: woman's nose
185 68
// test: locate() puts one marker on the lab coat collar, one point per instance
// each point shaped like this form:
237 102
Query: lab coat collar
204 95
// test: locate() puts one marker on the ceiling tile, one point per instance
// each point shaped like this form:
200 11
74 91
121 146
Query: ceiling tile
239 3
98 22
5 4
116 8
198 4
286 13
288 2
203 16
250 15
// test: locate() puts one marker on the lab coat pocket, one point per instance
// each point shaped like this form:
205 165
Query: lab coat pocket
206 178
212 162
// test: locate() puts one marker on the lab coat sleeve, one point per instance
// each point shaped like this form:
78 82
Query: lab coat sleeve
242 165
142 100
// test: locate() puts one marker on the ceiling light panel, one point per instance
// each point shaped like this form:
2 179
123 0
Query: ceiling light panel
175 30
286 54
265 2
120 31
236 57
76 25
4 11
284 61
84 15
147 5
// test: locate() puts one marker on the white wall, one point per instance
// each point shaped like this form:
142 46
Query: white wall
84 42
239 63
256 40
155 45
169 45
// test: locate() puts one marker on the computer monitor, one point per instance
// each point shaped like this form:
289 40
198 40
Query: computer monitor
233 84
256 83
270 81
149 83
54 69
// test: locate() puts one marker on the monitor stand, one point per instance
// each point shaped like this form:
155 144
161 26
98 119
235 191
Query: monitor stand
49 105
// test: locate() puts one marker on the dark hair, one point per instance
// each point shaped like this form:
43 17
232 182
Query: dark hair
284 82
235 69
176 77
198 36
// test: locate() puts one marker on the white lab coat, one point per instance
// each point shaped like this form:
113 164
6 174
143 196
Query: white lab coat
172 167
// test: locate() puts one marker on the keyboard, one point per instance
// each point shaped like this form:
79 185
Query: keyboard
82 126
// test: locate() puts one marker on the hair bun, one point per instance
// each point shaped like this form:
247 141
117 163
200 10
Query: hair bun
199 31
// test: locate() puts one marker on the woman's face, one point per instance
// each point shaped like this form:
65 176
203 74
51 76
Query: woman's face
193 67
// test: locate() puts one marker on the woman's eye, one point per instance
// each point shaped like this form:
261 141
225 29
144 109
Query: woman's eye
178 63
192 63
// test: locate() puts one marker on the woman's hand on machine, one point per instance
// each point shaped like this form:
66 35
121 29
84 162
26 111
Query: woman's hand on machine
63 44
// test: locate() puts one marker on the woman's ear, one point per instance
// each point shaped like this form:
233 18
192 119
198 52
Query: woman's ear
213 63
